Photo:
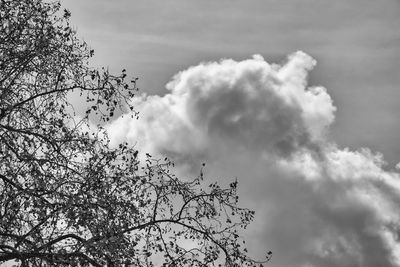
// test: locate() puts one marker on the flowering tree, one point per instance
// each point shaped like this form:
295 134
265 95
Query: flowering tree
67 197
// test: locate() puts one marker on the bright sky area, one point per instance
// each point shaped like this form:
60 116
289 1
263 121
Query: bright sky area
356 44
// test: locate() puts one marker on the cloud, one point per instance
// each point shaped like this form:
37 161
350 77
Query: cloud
316 203
260 105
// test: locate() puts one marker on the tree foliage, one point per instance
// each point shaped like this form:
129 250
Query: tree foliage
68 197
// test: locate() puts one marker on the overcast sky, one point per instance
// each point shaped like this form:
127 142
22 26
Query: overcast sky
279 121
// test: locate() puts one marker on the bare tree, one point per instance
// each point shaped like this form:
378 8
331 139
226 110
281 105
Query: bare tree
69 199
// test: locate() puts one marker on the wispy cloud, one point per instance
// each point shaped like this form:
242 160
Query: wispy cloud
317 204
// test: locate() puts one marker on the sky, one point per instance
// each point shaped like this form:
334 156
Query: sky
297 99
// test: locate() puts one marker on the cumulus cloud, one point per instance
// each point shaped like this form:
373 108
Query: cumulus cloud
317 204
263 106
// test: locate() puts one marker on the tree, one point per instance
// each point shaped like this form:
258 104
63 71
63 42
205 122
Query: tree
67 197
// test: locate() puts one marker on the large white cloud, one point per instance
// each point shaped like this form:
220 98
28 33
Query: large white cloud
317 204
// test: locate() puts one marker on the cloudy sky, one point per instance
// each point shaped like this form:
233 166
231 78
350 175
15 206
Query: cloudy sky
297 99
